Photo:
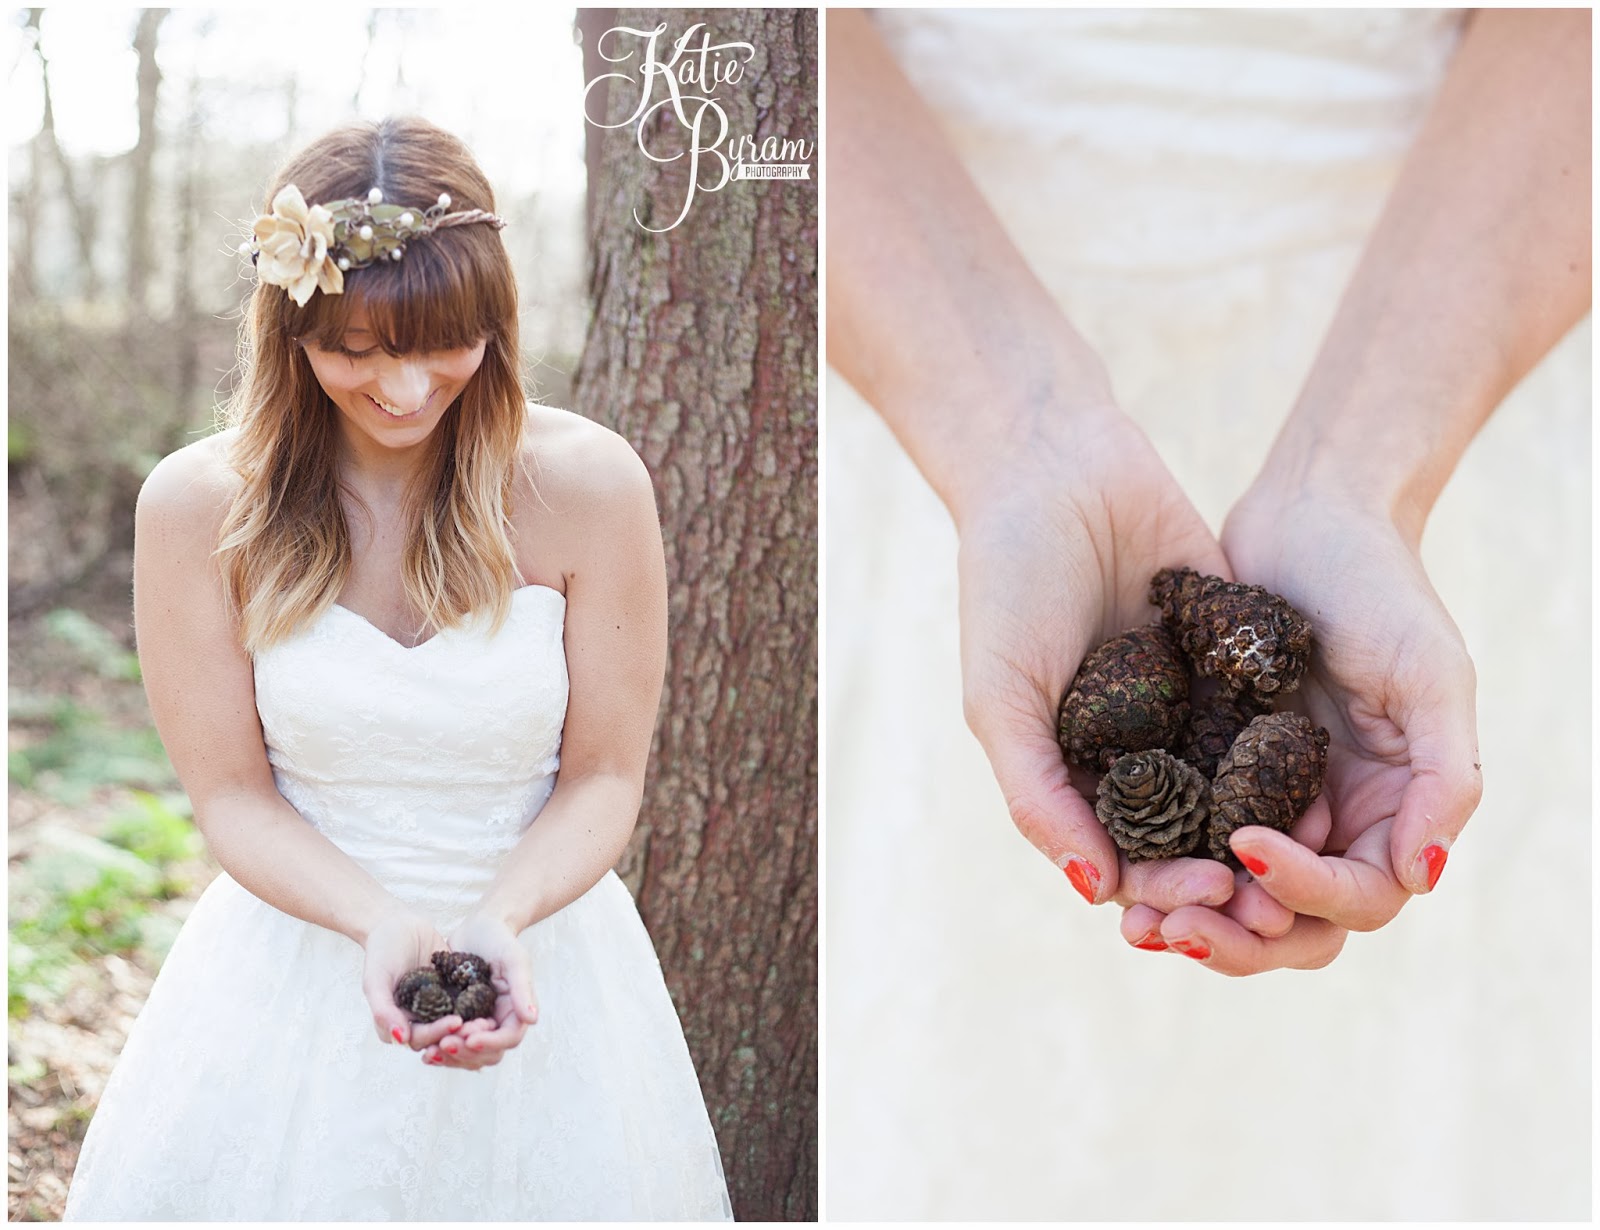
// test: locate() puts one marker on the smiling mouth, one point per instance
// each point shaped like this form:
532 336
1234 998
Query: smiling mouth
392 411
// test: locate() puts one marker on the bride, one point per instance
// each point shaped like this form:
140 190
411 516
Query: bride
403 636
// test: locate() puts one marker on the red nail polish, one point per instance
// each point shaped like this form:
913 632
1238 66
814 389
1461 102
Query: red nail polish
1434 855
1253 865
1192 948
397 1034
1084 878
1152 943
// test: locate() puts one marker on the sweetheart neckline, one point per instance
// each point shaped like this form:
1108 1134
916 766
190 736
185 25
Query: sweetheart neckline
404 648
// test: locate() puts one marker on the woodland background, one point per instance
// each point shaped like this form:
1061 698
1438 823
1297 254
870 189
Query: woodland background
139 146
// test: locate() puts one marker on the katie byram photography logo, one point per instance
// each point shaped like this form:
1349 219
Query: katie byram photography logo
686 78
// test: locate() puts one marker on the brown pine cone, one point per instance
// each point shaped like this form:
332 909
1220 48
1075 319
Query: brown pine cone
476 1000
1153 805
1131 694
1212 727
461 969
431 1003
405 991
1271 774
1245 636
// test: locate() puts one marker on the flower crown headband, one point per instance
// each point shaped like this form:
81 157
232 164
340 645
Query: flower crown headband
306 248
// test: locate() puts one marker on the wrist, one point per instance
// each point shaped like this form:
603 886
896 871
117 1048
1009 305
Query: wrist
972 431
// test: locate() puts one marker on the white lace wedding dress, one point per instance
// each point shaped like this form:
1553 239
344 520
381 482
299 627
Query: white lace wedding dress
253 1086
1194 187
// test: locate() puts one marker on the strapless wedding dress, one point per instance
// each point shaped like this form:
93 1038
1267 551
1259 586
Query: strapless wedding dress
253 1086
1194 187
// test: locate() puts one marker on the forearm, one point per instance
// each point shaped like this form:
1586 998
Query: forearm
1478 265
265 845
933 314
574 841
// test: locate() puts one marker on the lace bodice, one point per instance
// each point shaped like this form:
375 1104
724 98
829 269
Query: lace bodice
423 764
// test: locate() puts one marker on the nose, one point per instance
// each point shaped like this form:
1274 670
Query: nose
405 385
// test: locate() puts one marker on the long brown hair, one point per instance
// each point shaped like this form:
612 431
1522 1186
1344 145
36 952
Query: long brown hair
284 548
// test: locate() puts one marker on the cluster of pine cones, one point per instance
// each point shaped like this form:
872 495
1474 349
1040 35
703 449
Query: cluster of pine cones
1180 777
456 982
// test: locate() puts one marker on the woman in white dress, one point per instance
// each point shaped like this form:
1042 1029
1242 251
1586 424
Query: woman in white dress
403 636
1308 254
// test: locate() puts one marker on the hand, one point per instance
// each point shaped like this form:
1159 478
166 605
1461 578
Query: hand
401 942
1391 680
1055 558
482 1043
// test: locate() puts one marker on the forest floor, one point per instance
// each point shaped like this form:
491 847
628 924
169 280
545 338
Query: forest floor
103 865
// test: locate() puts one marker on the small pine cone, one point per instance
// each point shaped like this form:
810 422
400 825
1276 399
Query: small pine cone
1130 695
1212 727
1271 774
1153 805
461 969
475 1001
405 991
1245 636
431 1003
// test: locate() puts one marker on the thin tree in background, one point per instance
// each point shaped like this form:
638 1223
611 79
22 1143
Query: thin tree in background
702 351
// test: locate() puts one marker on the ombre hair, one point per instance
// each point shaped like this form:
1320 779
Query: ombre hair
284 549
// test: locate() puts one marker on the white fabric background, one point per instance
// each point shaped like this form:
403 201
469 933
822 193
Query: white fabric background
1195 188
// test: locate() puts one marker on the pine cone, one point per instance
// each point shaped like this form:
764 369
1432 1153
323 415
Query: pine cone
1212 727
461 969
1153 805
1271 774
1245 636
431 1003
1131 694
405 991
476 1000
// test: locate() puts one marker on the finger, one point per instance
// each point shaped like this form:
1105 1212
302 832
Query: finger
1446 785
1356 890
1167 883
1053 816
424 1035
1141 927
388 1018
1223 945
507 1035
1314 825
519 986
1252 907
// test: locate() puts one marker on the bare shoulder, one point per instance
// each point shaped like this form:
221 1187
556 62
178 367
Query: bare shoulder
192 487
576 463
586 500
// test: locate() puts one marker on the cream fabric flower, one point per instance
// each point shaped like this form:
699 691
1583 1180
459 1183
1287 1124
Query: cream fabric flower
292 244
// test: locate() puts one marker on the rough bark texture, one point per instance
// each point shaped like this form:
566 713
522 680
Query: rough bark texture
702 351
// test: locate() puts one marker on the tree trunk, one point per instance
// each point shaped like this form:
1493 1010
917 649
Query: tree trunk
79 206
142 161
702 350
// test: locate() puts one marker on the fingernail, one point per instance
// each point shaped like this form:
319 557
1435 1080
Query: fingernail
1253 865
397 1034
1192 948
1152 942
1084 878
1434 855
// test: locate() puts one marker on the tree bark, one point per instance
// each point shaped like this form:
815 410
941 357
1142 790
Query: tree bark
702 351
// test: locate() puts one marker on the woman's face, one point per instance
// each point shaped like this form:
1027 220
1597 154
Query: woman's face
395 401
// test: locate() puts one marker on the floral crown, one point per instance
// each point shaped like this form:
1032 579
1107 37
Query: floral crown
306 248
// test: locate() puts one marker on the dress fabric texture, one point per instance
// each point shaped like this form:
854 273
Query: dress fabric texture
1195 188
253 1085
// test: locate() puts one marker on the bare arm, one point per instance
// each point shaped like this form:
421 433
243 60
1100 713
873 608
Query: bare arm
202 695
1479 264
616 647
933 314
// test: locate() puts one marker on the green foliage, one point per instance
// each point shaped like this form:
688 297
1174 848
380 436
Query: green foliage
100 651
157 830
83 753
